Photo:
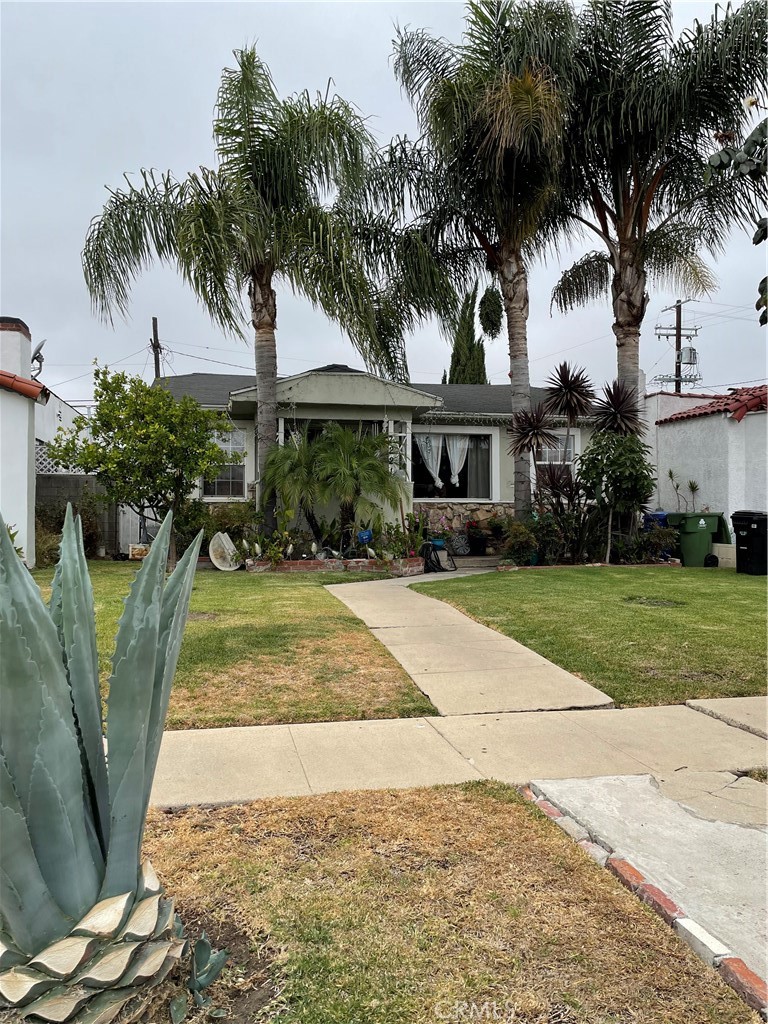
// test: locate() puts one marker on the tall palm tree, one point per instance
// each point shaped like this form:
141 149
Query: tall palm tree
266 215
644 109
484 174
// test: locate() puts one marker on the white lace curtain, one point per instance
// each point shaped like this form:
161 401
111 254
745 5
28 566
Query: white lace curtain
457 446
431 448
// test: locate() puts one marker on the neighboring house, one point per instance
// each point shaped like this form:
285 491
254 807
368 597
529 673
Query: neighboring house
20 396
717 440
452 438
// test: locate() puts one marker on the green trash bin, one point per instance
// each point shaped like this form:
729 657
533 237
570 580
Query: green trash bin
696 532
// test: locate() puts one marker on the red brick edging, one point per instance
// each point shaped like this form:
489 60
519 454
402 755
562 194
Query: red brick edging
733 971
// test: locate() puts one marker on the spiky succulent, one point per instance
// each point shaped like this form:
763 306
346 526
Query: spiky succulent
85 931
531 430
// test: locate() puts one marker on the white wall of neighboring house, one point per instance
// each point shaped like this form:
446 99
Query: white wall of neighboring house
725 457
658 406
49 417
17 444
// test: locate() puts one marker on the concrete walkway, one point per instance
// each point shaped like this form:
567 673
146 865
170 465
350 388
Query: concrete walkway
210 766
462 666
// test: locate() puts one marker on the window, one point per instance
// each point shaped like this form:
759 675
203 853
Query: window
547 456
314 428
230 483
470 456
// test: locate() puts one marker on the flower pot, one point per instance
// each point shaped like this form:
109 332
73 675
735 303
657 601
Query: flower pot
477 545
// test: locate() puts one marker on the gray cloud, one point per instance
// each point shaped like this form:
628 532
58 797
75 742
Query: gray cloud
90 91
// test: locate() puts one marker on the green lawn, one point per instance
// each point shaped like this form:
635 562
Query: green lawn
645 635
261 649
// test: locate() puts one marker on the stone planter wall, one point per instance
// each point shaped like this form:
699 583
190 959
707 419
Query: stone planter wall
457 514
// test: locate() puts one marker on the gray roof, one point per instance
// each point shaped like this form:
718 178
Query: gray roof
485 399
214 389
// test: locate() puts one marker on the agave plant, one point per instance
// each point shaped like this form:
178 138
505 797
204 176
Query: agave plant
85 930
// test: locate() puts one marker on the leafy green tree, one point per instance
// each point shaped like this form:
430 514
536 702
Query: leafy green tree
355 469
615 470
267 215
482 180
145 448
468 353
643 109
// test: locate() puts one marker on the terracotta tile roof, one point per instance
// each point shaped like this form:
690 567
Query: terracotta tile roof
735 405
29 388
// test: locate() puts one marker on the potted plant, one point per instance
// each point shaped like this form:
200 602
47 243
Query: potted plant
476 538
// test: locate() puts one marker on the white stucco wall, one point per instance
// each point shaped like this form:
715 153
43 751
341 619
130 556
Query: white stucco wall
658 406
17 445
727 459
48 418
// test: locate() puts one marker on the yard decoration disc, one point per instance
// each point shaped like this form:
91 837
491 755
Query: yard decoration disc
223 553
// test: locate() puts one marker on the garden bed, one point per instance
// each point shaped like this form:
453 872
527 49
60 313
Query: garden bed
391 567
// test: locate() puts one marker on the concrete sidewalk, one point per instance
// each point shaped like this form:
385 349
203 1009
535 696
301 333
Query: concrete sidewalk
231 765
462 666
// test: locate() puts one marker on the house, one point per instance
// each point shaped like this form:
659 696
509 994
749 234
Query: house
452 437
720 442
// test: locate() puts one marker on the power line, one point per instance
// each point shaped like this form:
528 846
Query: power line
90 372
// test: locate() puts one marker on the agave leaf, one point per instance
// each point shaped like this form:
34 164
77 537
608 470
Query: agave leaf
179 1009
128 712
77 633
39 739
173 617
202 953
213 969
28 909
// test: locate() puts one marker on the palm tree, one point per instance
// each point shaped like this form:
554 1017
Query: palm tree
482 179
569 394
644 110
356 470
291 473
266 215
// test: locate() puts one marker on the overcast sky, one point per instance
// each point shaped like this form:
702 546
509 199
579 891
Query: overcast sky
93 90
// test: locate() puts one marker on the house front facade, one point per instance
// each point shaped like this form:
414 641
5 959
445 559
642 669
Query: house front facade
451 438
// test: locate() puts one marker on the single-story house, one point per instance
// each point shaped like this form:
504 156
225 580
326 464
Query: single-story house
452 437
720 441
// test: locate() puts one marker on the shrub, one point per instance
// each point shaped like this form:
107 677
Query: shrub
519 543
46 545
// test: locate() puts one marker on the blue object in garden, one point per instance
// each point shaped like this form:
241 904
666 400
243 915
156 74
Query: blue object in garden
364 536
440 544
655 518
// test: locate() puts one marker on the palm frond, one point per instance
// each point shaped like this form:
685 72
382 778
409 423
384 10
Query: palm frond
136 226
617 412
671 257
245 98
588 280
531 430
569 393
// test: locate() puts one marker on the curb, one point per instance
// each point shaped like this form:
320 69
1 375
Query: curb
732 969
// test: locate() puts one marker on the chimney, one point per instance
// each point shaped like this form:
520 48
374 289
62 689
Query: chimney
17 438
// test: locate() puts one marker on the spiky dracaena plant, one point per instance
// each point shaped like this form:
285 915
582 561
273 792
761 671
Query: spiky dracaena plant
85 932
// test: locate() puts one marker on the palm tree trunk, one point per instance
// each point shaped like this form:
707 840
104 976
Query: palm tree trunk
610 528
513 280
264 319
629 304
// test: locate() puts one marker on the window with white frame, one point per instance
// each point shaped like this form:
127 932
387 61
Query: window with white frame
451 466
548 456
230 483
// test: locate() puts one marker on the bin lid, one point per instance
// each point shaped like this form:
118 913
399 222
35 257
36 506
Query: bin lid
749 514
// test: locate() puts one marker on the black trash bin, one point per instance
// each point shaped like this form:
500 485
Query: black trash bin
751 529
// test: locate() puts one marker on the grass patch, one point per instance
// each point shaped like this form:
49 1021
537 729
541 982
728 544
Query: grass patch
418 906
645 636
260 649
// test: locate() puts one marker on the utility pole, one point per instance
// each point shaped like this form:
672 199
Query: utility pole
678 344
156 347
677 332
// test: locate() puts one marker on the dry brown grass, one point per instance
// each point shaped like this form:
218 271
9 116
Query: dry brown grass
336 678
398 907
